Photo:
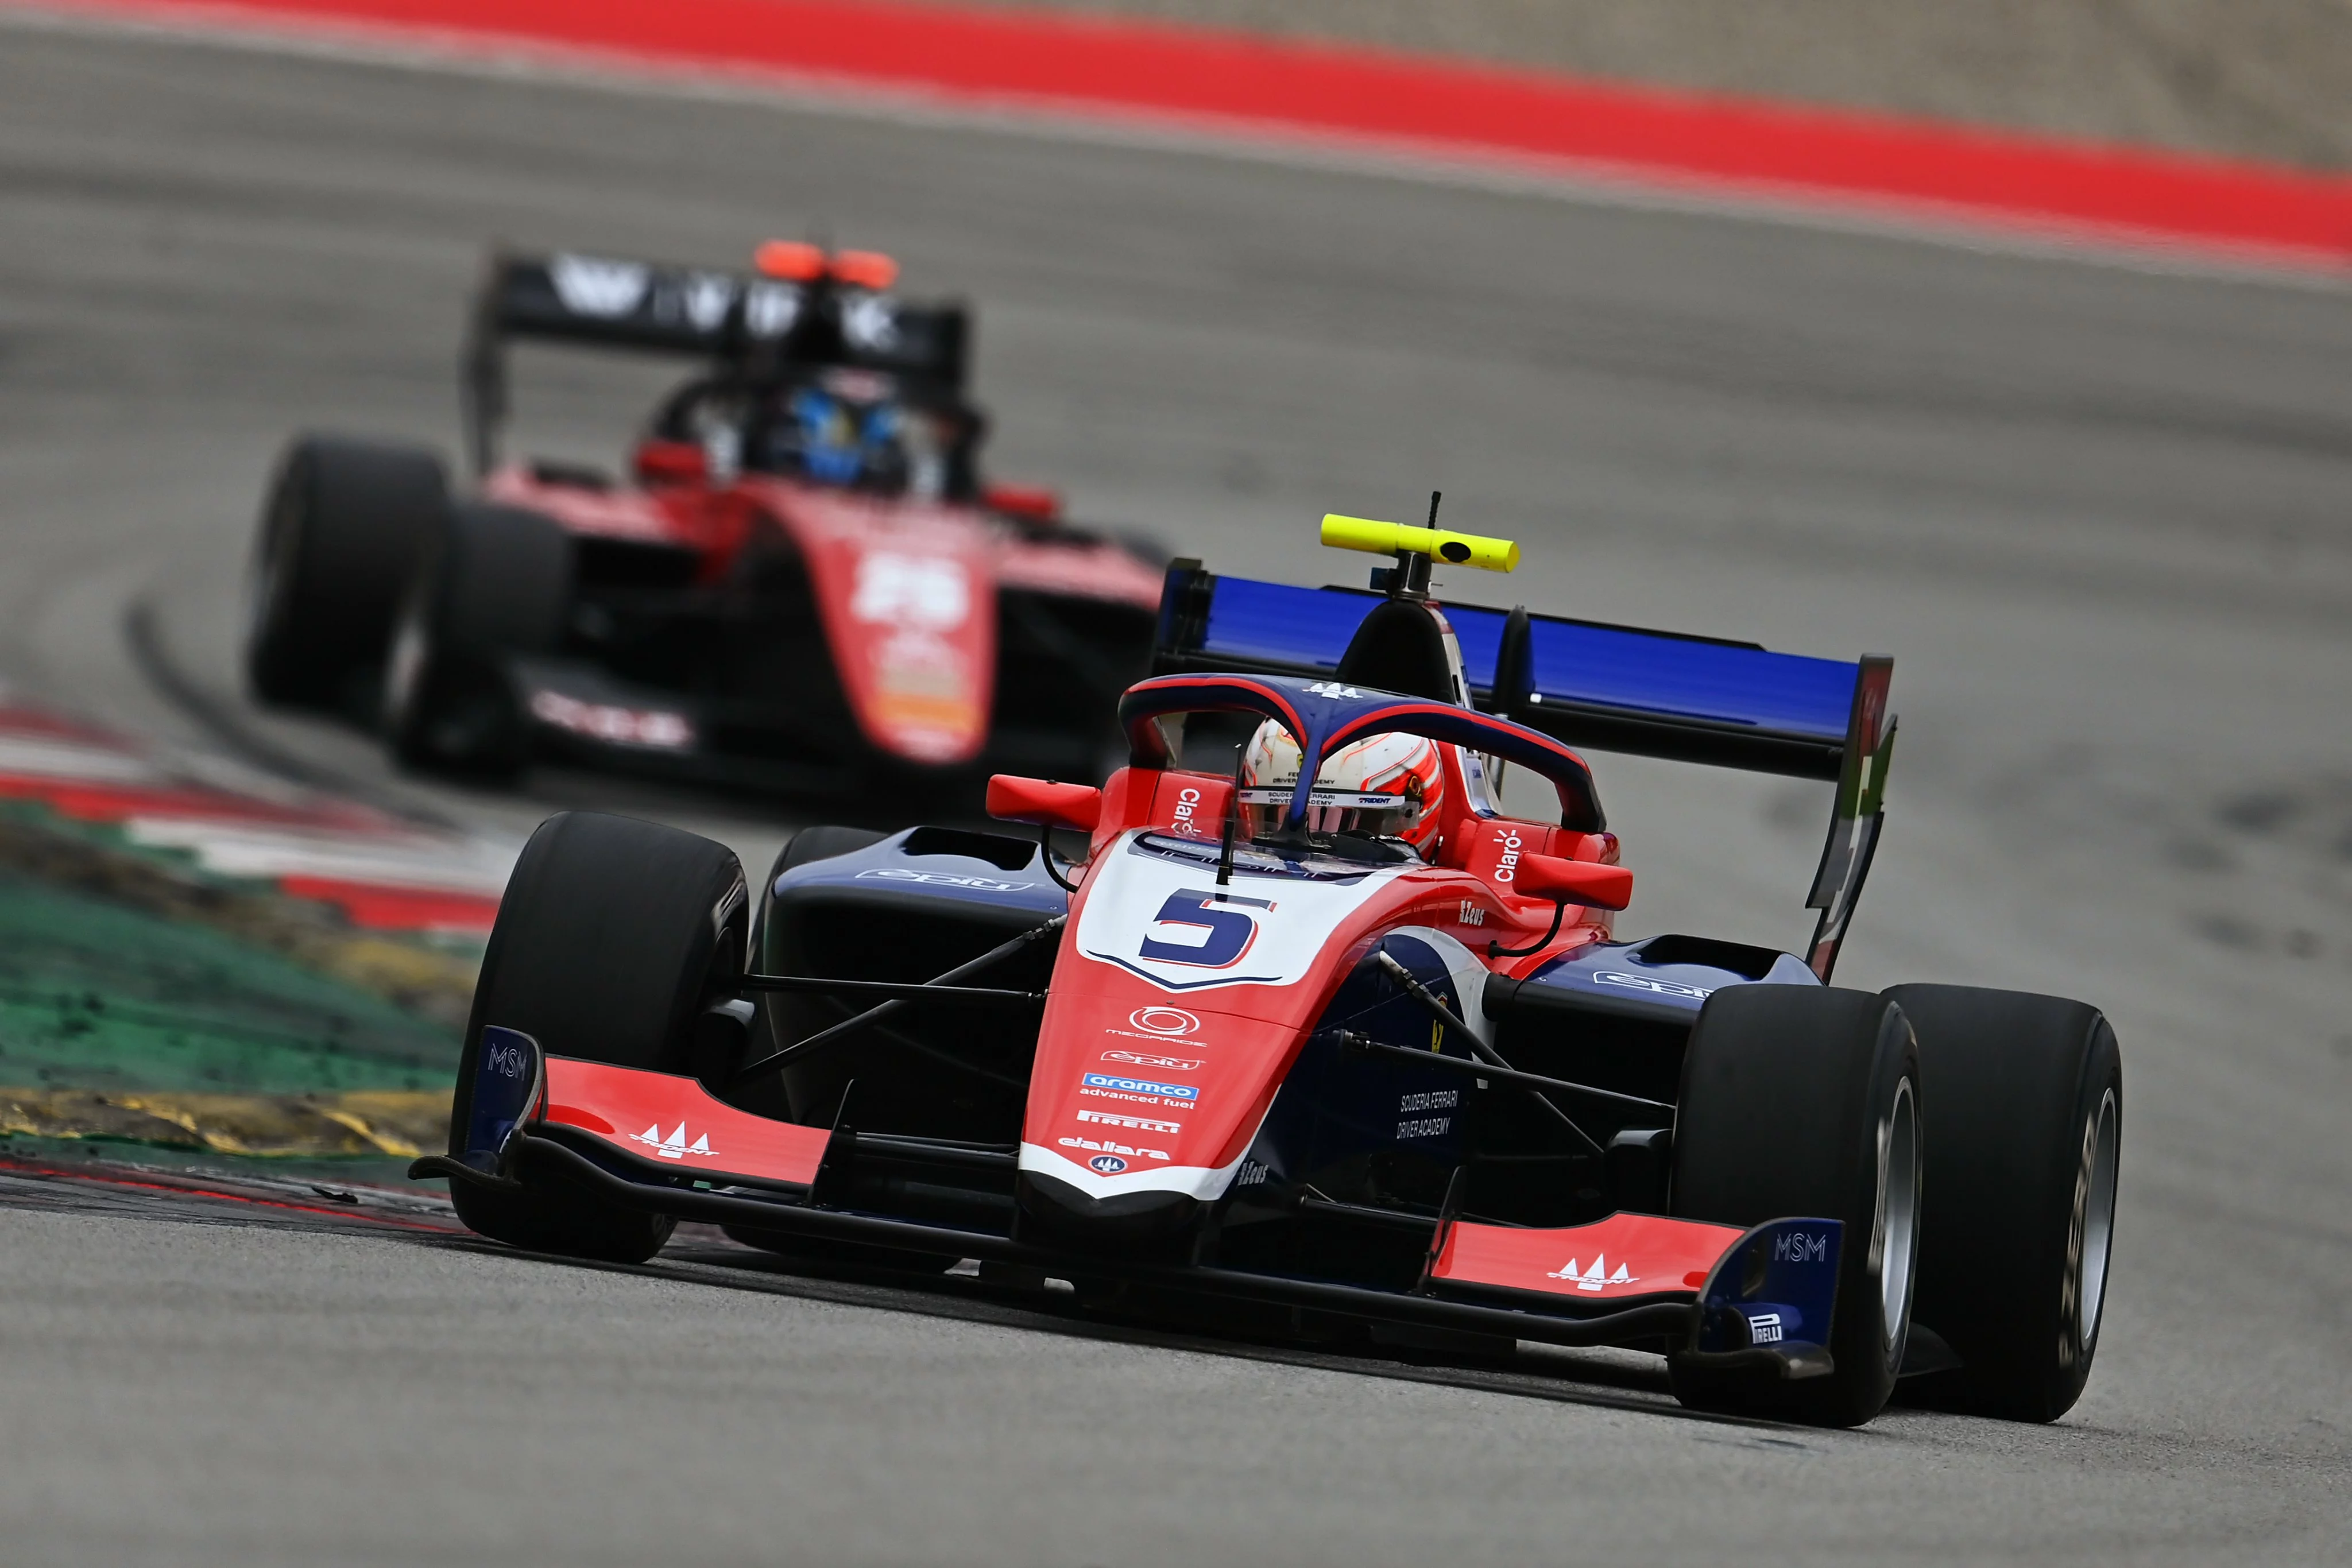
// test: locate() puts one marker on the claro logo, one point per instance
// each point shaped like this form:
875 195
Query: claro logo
1188 809
1508 866
1163 1020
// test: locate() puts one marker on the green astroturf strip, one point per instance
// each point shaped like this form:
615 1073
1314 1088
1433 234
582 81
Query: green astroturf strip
96 996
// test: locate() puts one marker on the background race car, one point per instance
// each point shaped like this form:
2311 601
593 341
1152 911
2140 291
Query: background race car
803 583
1321 1040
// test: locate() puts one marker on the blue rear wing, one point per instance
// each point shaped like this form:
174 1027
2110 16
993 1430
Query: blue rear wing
1614 688
1589 683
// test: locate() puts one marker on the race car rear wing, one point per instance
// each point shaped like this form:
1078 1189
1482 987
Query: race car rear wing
1589 684
731 318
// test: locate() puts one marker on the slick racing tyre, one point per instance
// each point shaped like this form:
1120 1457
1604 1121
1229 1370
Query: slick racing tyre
496 581
820 843
817 843
613 935
765 1095
2020 1201
341 534
1799 1101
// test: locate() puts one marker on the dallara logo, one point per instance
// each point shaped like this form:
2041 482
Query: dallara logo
1163 1020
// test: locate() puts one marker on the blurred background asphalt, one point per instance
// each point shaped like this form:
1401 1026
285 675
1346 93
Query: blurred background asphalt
2101 516
2248 79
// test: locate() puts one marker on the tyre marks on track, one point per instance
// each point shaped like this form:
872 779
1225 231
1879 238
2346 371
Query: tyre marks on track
147 1192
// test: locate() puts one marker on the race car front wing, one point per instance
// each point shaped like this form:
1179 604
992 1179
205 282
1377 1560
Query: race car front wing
1760 1298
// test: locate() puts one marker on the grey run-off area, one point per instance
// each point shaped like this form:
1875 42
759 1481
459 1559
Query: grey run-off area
2248 79
2101 519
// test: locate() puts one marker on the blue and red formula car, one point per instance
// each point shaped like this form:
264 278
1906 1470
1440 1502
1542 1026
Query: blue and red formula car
1313 1038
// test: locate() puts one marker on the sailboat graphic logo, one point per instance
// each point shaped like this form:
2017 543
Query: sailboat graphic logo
1594 1278
675 1146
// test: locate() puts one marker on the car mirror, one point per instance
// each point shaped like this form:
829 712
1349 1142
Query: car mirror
1042 803
672 462
1031 503
1573 882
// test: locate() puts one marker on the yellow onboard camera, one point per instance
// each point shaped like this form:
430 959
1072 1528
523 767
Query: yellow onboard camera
1403 538
1416 549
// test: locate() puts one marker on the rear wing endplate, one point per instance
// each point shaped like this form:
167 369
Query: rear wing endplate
730 319
1590 684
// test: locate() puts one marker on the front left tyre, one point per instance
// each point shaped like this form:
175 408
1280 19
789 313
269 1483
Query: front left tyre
1805 1101
613 936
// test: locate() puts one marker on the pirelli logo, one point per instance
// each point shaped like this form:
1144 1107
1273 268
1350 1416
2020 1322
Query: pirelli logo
1138 1123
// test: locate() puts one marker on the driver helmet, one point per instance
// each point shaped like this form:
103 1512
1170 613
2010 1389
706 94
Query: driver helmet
840 440
1384 786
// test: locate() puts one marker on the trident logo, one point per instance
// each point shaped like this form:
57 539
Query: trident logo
675 1146
1594 1278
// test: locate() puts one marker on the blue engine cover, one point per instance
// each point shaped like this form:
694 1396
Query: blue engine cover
1663 978
991 874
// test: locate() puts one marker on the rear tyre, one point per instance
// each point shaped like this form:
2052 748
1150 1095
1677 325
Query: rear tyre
613 935
819 843
496 582
341 533
2021 1194
1800 1100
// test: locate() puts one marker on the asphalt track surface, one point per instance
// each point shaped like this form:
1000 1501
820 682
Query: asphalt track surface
2102 518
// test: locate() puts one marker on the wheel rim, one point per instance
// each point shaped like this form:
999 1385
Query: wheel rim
2098 1216
403 670
1898 1212
261 593
265 580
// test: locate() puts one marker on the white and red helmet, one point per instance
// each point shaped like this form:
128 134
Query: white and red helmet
1384 786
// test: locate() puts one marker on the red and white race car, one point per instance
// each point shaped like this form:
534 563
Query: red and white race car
803 583
1317 1039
